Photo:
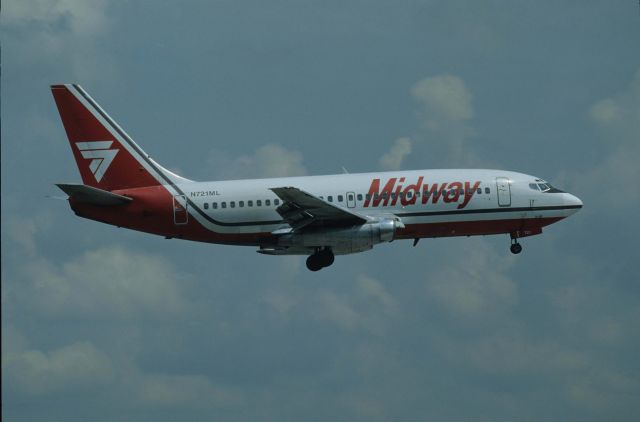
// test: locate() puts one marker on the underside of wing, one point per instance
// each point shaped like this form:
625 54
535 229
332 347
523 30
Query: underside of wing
301 209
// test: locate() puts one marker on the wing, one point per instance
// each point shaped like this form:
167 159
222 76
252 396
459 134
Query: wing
301 209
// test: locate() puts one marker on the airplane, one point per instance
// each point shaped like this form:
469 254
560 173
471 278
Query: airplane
317 216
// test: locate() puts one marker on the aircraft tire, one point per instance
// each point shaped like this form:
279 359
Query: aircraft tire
326 257
314 263
516 248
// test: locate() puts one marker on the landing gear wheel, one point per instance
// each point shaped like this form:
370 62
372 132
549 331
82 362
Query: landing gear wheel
314 263
320 259
516 248
326 257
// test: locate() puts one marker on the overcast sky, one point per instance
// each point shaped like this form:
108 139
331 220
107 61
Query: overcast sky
103 324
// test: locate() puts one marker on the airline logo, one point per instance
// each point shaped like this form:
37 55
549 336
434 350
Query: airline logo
394 191
100 154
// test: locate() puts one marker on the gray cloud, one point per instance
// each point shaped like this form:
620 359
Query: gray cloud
392 159
444 98
271 160
104 283
618 120
94 315
73 367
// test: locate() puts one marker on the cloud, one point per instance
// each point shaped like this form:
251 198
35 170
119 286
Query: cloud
392 160
179 390
271 160
444 98
445 111
111 283
50 29
618 121
22 231
80 17
372 288
620 114
476 288
76 366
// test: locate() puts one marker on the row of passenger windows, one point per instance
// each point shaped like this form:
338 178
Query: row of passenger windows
340 198
241 204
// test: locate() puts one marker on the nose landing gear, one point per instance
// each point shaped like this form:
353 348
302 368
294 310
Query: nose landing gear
515 248
321 259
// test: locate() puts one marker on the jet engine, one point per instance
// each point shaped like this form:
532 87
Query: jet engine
344 240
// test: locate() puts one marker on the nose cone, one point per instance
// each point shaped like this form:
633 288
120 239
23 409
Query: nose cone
572 201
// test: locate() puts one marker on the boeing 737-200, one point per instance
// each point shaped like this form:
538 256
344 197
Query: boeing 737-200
318 216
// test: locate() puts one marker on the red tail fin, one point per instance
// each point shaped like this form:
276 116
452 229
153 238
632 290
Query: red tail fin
106 156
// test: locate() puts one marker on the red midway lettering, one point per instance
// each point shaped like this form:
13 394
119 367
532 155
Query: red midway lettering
434 192
377 196
390 193
468 193
453 192
414 189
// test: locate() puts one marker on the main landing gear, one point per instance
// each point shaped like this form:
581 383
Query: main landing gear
322 258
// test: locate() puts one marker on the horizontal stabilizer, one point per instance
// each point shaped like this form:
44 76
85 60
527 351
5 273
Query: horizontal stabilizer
91 195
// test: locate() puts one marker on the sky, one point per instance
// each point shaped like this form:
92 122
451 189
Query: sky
110 324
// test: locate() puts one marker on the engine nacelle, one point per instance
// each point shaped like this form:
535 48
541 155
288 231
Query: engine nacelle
345 240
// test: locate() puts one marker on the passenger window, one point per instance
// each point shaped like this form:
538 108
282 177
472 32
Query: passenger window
206 205
350 197
249 203
241 204
487 190
276 202
224 205
368 196
359 197
384 195
479 191
214 205
394 195
267 202
330 198
258 202
340 198
409 195
232 204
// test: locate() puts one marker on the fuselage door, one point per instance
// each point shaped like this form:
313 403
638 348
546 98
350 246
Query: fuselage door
351 200
180 214
504 191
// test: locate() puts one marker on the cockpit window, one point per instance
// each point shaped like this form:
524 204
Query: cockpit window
544 187
534 186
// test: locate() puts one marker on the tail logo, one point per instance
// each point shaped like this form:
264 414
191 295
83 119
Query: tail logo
100 154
